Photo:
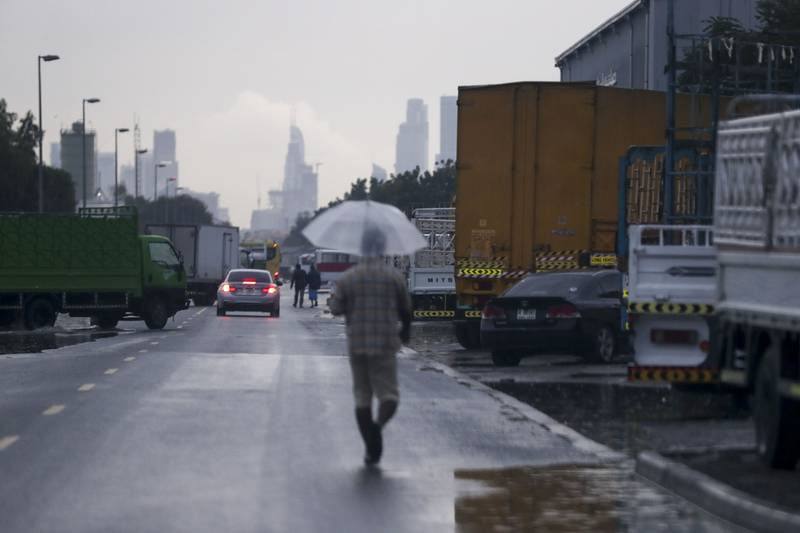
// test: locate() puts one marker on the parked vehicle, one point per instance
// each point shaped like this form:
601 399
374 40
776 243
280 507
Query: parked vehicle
331 264
757 234
672 291
208 253
431 271
249 290
574 311
264 255
537 180
92 264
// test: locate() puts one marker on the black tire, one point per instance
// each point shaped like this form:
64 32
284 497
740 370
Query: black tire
220 311
506 358
156 315
468 336
276 312
777 419
7 317
601 344
200 300
105 321
40 313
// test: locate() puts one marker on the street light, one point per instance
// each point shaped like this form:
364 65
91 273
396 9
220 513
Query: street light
136 155
155 177
83 143
117 131
46 58
169 209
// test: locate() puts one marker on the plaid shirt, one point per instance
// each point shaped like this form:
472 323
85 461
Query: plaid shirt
372 296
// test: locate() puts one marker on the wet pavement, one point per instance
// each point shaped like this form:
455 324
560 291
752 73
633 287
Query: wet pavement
245 423
703 428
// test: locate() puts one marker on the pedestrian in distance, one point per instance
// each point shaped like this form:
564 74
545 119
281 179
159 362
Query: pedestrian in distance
376 305
298 283
314 283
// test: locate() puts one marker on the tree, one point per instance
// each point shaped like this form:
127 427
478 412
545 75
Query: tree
19 181
181 209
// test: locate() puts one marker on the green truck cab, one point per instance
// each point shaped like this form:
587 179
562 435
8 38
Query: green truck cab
92 264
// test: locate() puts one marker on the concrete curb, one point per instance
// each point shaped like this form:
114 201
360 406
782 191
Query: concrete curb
715 497
579 441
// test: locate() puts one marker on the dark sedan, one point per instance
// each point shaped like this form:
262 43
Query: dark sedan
573 311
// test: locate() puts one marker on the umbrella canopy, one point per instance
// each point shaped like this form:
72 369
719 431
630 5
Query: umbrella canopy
365 228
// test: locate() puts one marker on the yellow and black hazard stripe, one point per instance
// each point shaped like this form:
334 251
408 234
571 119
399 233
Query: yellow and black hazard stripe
475 313
495 262
515 274
670 308
558 260
423 314
547 266
480 273
673 374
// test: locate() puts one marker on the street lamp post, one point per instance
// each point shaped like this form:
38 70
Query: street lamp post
155 178
117 131
46 59
83 143
169 209
136 155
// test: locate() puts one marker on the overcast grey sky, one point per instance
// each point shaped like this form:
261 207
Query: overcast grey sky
224 74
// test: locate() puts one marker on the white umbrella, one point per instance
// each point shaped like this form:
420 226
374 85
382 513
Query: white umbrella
365 228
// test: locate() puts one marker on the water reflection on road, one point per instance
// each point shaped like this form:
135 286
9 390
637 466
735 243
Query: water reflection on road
34 342
570 499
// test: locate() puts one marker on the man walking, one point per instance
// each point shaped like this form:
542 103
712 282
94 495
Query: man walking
298 283
375 302
314 283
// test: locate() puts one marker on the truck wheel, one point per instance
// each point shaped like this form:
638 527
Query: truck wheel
506 358
105 321
468 336
40 313
155 315
777 419
7 318
200 300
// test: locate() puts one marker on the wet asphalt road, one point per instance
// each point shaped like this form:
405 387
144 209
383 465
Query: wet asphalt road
245 423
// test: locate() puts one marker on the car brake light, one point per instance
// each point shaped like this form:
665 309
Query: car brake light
562 311
493 311
228 288
705 346
249 281
270 289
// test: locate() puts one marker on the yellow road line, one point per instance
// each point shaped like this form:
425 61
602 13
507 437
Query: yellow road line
53 410
5 442
111 371
129 359
86 387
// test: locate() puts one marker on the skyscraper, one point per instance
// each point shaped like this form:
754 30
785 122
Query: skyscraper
55 155
300 193
164 151
412 138
72 161
448 122
105 172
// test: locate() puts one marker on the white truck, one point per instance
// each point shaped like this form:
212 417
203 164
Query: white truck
431 272
209 252
672 289
757 234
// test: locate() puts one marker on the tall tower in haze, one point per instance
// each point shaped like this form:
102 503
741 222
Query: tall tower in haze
412 138
164 150
300 184
448 121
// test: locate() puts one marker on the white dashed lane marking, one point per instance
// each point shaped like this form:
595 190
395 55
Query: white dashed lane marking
53 410
142 351
86 387
111 371
129 359
5 442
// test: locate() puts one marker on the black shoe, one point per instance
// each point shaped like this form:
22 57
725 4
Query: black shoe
375 448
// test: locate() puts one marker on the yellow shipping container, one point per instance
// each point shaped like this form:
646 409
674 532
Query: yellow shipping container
537 176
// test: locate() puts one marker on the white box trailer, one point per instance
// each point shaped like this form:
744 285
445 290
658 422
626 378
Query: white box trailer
757 231
431 272
209 252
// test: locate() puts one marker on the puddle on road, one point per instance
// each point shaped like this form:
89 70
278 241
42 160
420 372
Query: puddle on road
619 415
569 499
29 342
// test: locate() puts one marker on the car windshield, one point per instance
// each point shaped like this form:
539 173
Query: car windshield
259 276
561 284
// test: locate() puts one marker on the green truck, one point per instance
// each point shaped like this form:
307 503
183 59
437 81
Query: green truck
91 264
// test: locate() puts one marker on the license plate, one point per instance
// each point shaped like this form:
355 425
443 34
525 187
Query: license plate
526 314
